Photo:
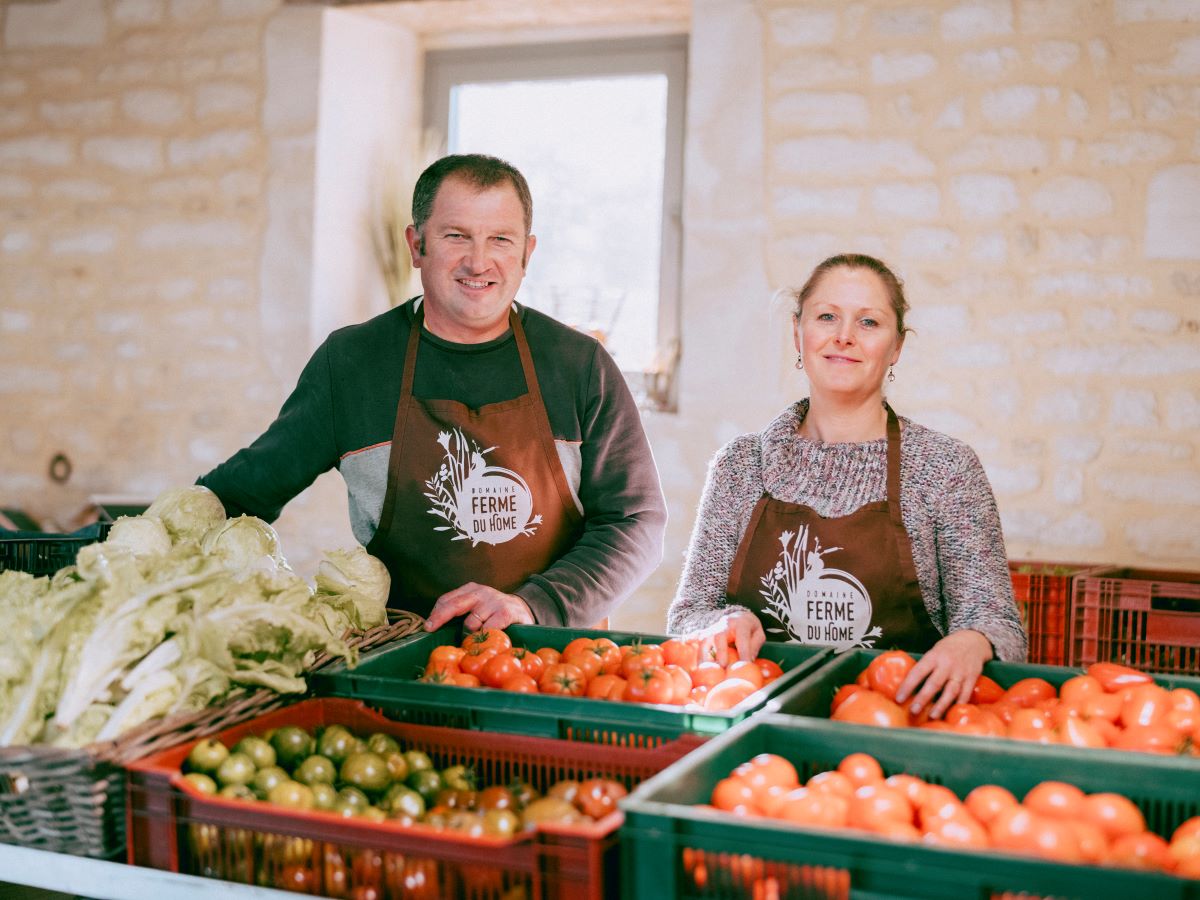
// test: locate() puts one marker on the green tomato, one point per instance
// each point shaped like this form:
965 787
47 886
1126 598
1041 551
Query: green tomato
354 797
427 783
325 796
316 770
417 761
459 778
207 756
257 749
402 800
292 744
366 771
337 743
238 792
237 768
383 744
201 782
291 794
266 779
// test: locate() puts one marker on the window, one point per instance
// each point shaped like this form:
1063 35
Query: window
597 129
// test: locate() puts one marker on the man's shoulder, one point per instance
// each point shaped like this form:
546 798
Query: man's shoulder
568 338
384 327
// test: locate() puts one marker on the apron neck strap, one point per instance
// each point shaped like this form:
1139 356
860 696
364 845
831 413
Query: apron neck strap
893 464
514 322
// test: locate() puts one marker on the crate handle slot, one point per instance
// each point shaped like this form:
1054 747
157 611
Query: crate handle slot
1175 604
15 783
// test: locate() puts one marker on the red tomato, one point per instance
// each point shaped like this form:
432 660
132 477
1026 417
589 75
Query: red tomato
832 782
1115 814
579 643
562 678
678 652
1114 676
728 694
462 679
861 768
500 668
549 655
1158 738
962 832
731 793
1029 691
1076 732
531 664
1102 706
635 657
584 659
910 786
447 654
986 690
1032 725
488 639
1183 857
765 772
650 685
440 668
1055 799
769 669
888 670
866 707
1093 845
475 659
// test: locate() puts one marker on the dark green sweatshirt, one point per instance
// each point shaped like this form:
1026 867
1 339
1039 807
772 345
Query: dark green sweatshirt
343 410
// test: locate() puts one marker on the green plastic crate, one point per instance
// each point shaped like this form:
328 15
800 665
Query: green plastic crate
388 677
755 858
812 695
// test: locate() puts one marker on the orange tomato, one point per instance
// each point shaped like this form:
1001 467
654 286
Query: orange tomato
842 693
678 652
1076 732
1115 814
1114 676
987 801
607 687
861 768
488 639
867 707
682 681
519 683
708 674
814 808
1145 704
747 671
1187 829
1031 725
462 679
1076 690
698 693
1157 738
1102 706
886 672
635 657
832 782
1029 691
1055 799
1183 857
447 654
1093 845
531 664
1142 850
962 832
872 803
910 786
562 678
584 659
732 792
767 770
728 694
549 655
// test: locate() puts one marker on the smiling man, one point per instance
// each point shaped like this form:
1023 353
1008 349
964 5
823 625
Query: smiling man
494 458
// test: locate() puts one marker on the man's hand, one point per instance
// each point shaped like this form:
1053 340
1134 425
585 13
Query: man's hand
484 607
740 628
950 669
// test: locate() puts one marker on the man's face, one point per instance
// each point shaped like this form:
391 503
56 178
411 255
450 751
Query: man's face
473 259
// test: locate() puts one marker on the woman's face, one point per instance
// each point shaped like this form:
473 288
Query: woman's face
847 334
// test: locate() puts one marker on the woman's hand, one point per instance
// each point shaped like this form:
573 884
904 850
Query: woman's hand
949 669
740 628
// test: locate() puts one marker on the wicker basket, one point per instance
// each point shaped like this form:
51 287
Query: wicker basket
73 800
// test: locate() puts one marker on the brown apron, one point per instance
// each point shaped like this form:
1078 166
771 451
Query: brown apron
472 495
843 582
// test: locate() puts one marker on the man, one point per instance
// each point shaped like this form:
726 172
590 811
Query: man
494 458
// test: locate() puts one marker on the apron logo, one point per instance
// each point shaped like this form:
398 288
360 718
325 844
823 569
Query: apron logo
813 603
483 504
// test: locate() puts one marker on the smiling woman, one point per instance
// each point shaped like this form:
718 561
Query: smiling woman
842 524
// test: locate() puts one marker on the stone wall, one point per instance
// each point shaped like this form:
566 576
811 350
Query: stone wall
1032 168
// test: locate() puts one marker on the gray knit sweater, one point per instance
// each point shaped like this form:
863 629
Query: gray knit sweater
946 503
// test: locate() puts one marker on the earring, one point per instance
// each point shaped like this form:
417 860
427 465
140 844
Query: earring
891 373
799 361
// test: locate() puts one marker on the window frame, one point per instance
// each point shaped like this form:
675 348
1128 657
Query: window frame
664 54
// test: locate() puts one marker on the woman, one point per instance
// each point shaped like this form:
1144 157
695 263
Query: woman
841 524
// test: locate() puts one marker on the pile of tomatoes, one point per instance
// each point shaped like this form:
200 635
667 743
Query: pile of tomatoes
1110 705
670 673
1055 820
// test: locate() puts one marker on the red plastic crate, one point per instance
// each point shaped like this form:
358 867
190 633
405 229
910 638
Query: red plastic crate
1140 617
1043 594
172 826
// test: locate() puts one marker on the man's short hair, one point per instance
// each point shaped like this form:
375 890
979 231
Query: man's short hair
474 168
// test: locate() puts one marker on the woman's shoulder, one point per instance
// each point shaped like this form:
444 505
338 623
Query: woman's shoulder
931 452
